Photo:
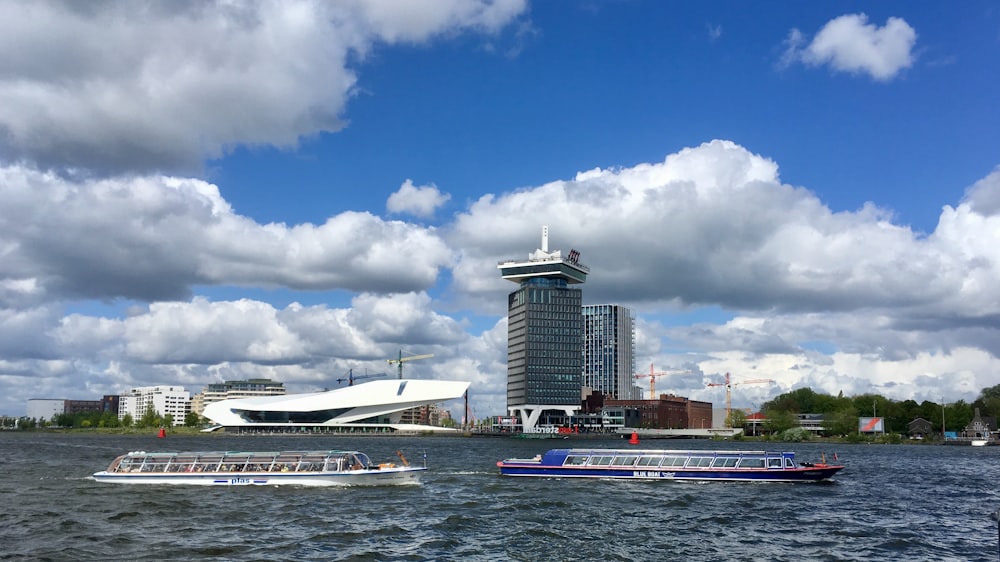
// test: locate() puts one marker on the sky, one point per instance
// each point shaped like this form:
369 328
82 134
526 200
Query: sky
805 192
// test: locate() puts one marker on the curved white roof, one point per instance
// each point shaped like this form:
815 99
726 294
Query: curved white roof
345 405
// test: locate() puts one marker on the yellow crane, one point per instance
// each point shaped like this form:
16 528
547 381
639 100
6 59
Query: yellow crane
402 359
652 378
729 392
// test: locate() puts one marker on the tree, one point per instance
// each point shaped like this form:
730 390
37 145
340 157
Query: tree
737 418
988 401
149 418
192 419
841 422
779 421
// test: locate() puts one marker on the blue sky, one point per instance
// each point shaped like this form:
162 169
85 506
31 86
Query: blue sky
802 191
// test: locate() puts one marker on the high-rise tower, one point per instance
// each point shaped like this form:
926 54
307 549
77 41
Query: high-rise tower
544 334
609 351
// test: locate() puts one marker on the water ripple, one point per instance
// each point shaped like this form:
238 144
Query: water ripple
892 503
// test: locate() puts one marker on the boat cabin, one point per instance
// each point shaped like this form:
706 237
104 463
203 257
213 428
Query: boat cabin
303 461
669 459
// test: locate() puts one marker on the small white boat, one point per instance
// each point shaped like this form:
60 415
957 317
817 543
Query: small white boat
979 442
217 468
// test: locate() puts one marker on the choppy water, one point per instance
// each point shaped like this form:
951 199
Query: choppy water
892 503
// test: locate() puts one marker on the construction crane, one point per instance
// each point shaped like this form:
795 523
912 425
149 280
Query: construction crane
729 392
652 378
351 378
402 359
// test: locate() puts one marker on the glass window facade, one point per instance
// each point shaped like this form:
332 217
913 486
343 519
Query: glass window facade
609 351
544 336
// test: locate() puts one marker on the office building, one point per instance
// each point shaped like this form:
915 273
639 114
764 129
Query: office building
165 400
544 336
216 392
609 351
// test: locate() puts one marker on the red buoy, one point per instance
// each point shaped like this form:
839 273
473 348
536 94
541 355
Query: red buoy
162 433
634 440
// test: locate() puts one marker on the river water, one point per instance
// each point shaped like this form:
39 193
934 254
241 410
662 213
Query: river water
893 502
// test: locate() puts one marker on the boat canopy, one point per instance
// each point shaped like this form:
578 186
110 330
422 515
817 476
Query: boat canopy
236 461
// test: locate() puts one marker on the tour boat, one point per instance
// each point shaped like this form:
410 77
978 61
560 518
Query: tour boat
301 468
659 464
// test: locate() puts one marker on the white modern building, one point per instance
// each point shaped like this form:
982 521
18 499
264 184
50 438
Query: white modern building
44 409
165 400
215 392
371 406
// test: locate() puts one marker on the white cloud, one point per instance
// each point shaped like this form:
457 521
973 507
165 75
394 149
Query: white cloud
797 293
714 32
419 201
154 237
850 44
112 86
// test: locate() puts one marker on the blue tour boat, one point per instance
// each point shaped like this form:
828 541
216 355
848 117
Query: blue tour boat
661 464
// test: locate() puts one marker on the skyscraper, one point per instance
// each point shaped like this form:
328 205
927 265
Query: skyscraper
609 351
544 334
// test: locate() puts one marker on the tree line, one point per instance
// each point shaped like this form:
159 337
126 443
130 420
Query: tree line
101 419
841 412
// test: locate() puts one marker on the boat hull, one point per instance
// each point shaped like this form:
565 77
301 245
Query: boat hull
261 468
812 474
663 464
382 477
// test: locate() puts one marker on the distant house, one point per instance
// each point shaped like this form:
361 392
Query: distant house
811 422
981 427
920 429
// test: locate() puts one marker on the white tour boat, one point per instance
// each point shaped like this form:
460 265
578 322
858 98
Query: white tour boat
217 468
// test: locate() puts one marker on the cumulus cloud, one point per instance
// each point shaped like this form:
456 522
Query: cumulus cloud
116 86
984 196
199 341
419 201
712 225
843 300
154 237
850 44
801 294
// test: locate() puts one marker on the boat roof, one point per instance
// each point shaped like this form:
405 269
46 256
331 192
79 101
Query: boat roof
663 452
237 453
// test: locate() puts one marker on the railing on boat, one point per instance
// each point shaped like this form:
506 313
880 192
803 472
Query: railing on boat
676 459
305 461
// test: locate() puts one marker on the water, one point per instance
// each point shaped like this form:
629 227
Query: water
897 502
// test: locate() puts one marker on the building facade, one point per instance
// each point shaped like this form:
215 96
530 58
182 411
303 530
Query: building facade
609 351
235 389
165 400
666 412
378 406
544 335
44 409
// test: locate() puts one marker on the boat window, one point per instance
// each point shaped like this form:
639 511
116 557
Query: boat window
699 462
725 462
576 460
751 463
627 460
789 463
774 462
650 461
600 461
674 461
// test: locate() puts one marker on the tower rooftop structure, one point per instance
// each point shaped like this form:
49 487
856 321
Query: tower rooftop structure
545 264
